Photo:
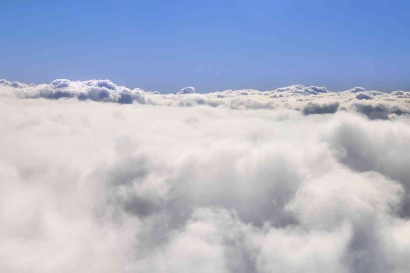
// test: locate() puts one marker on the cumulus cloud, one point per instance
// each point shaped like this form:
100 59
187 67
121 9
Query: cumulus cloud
231 181
96 90
314 108
364 96
307 99
186 90
379 111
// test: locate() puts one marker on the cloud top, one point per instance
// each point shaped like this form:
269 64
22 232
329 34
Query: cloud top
186 90
309 100
231 181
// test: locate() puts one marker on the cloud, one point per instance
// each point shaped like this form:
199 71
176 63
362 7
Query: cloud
231 181
363 96
379 111
96 90
186 90
308 99
314 108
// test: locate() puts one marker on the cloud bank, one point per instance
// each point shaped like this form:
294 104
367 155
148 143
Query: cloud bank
309 100
299 179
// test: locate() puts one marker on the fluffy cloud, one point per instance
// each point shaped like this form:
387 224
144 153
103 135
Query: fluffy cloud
96 90
313 181
309 100
186 90
314 108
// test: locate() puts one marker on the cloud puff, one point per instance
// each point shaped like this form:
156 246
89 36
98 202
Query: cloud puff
96 90
231 181
364 96
379 111
186 90
314 108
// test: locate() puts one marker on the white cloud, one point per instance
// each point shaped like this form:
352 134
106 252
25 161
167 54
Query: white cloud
310 100
186 90
253 183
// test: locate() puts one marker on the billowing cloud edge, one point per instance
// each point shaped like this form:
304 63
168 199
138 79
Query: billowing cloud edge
307 99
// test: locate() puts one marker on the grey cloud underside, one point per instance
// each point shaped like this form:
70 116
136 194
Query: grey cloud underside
314 108
314 181
309 100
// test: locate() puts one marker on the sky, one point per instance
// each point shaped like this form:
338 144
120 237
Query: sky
211 45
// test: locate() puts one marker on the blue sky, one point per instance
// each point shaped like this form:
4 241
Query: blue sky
212 45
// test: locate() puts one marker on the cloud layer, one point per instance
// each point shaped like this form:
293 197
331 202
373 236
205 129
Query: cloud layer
309 100
298 179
